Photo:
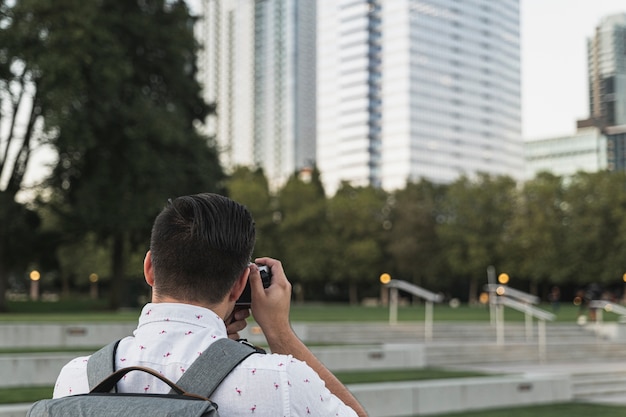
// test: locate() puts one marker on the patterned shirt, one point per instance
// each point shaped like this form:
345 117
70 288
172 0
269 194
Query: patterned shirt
168 339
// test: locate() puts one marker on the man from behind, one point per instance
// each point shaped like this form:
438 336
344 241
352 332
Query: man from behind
198 266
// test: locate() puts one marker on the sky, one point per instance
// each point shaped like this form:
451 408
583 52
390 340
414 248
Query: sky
554 66
554 62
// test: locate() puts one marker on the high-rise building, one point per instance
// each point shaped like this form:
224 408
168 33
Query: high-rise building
607 72
600 140
258 66
411 89
585 150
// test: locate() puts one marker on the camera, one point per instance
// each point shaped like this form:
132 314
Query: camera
246 296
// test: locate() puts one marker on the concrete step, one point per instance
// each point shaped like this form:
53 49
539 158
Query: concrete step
585 386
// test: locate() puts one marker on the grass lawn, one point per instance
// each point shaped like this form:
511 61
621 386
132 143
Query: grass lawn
86 311
551 410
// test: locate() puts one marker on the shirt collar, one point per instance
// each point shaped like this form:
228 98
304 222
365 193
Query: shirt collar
180 313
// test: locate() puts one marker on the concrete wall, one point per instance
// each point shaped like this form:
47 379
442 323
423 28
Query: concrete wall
32 369
398 399
387 356
16 335
43 368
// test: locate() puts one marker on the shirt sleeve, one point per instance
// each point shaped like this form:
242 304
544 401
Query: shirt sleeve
309 395
72 379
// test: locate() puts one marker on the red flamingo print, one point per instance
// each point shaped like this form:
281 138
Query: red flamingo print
253 408
276 385
146 388
187 333
238 390
167 355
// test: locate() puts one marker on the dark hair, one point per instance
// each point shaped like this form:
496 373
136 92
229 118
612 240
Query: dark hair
200 245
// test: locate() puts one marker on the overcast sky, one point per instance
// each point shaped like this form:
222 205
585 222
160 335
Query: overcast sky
554 62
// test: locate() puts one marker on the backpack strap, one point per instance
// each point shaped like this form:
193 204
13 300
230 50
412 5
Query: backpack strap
202 377
101 364
214 364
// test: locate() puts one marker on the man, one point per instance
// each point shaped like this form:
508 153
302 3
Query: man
198 266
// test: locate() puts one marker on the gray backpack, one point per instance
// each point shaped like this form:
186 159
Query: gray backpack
187 397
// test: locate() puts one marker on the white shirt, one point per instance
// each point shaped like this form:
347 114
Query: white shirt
168 339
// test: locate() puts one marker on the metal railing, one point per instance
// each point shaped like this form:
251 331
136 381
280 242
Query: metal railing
428 296
501 295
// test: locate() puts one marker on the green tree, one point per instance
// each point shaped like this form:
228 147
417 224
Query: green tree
477 215
20 133
303 230
534 244
595 217
117 82
414 243
249 187
359 218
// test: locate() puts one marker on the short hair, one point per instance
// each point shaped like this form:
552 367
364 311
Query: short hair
200 245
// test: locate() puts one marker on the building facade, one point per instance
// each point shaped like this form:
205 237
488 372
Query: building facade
606 52
411 89
258 67
585 150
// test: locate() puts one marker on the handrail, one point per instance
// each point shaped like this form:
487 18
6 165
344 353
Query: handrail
527 308
416 290
608 306
502 289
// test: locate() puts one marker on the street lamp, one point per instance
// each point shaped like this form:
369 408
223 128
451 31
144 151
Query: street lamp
384 295
34 284
93 278
503 278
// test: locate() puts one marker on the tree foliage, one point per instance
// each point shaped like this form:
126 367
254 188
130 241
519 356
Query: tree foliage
119 96
358 217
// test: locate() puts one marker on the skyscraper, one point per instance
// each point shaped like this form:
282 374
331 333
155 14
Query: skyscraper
607 72
258 67
411 89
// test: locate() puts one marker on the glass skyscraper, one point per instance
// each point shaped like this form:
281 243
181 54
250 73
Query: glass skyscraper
607 72
411 89
258 66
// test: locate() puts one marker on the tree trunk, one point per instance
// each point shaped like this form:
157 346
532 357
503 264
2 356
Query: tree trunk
473 288
353 294
4 277
117 271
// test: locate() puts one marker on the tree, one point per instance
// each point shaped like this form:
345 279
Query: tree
303 230
596 203
414 243
538 230
358 217
118 89
249 187
20 132
477 214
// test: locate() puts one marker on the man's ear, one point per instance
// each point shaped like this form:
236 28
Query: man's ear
239 285
148 272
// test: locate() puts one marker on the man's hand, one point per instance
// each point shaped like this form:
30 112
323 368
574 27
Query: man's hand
270 306
236 322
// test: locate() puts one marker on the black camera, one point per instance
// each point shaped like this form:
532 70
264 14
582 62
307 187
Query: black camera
246 296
